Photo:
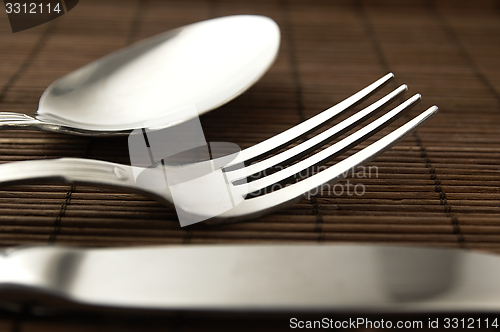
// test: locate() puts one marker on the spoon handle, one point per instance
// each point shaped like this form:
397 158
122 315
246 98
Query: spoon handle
71 171
10 120
18 121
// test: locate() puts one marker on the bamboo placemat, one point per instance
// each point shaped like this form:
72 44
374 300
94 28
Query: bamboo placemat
439 187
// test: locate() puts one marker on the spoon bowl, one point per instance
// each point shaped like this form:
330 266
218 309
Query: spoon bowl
152 83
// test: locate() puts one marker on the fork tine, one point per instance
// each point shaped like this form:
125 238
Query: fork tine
315 142
293 134
261 205
335 149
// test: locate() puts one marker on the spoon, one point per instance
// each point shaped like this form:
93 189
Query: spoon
152 83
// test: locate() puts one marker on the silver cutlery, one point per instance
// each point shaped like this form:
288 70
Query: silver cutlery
260 199
202 66
350 278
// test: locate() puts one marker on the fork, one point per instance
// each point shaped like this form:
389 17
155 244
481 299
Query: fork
267 155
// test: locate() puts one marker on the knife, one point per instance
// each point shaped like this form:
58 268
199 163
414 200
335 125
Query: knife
369 278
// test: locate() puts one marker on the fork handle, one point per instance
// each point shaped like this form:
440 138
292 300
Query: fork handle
70 171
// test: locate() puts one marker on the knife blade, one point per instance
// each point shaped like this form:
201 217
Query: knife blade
334 277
